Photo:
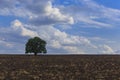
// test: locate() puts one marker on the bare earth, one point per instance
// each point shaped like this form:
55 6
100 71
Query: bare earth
60 67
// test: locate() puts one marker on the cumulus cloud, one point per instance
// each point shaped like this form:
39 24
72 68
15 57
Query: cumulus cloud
57 41
13 39
42 16
18 26
43 12
61 41
55 13
49 15
36 12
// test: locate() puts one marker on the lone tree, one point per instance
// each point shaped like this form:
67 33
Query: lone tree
35 45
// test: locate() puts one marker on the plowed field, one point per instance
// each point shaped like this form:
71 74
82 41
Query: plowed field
60 67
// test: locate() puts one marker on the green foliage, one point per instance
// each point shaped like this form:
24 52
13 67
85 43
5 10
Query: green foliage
36 45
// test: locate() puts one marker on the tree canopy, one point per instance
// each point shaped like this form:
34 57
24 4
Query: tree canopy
35 45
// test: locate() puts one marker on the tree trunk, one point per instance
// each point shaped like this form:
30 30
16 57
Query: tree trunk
35 54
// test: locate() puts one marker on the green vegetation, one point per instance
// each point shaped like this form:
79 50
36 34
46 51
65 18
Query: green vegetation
35 45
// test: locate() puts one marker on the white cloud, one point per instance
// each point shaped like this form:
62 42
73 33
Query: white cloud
37 12
105 49
40 13
55 13
57 41
49 15
41 16
11 40
73 50
55 44
61 41
43 12
117 52
91 14
17 25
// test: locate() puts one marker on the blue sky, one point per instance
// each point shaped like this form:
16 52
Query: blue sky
109 3
68 26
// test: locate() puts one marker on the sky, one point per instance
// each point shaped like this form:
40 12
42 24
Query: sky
68 26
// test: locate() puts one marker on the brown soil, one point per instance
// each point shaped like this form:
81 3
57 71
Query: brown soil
60 67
